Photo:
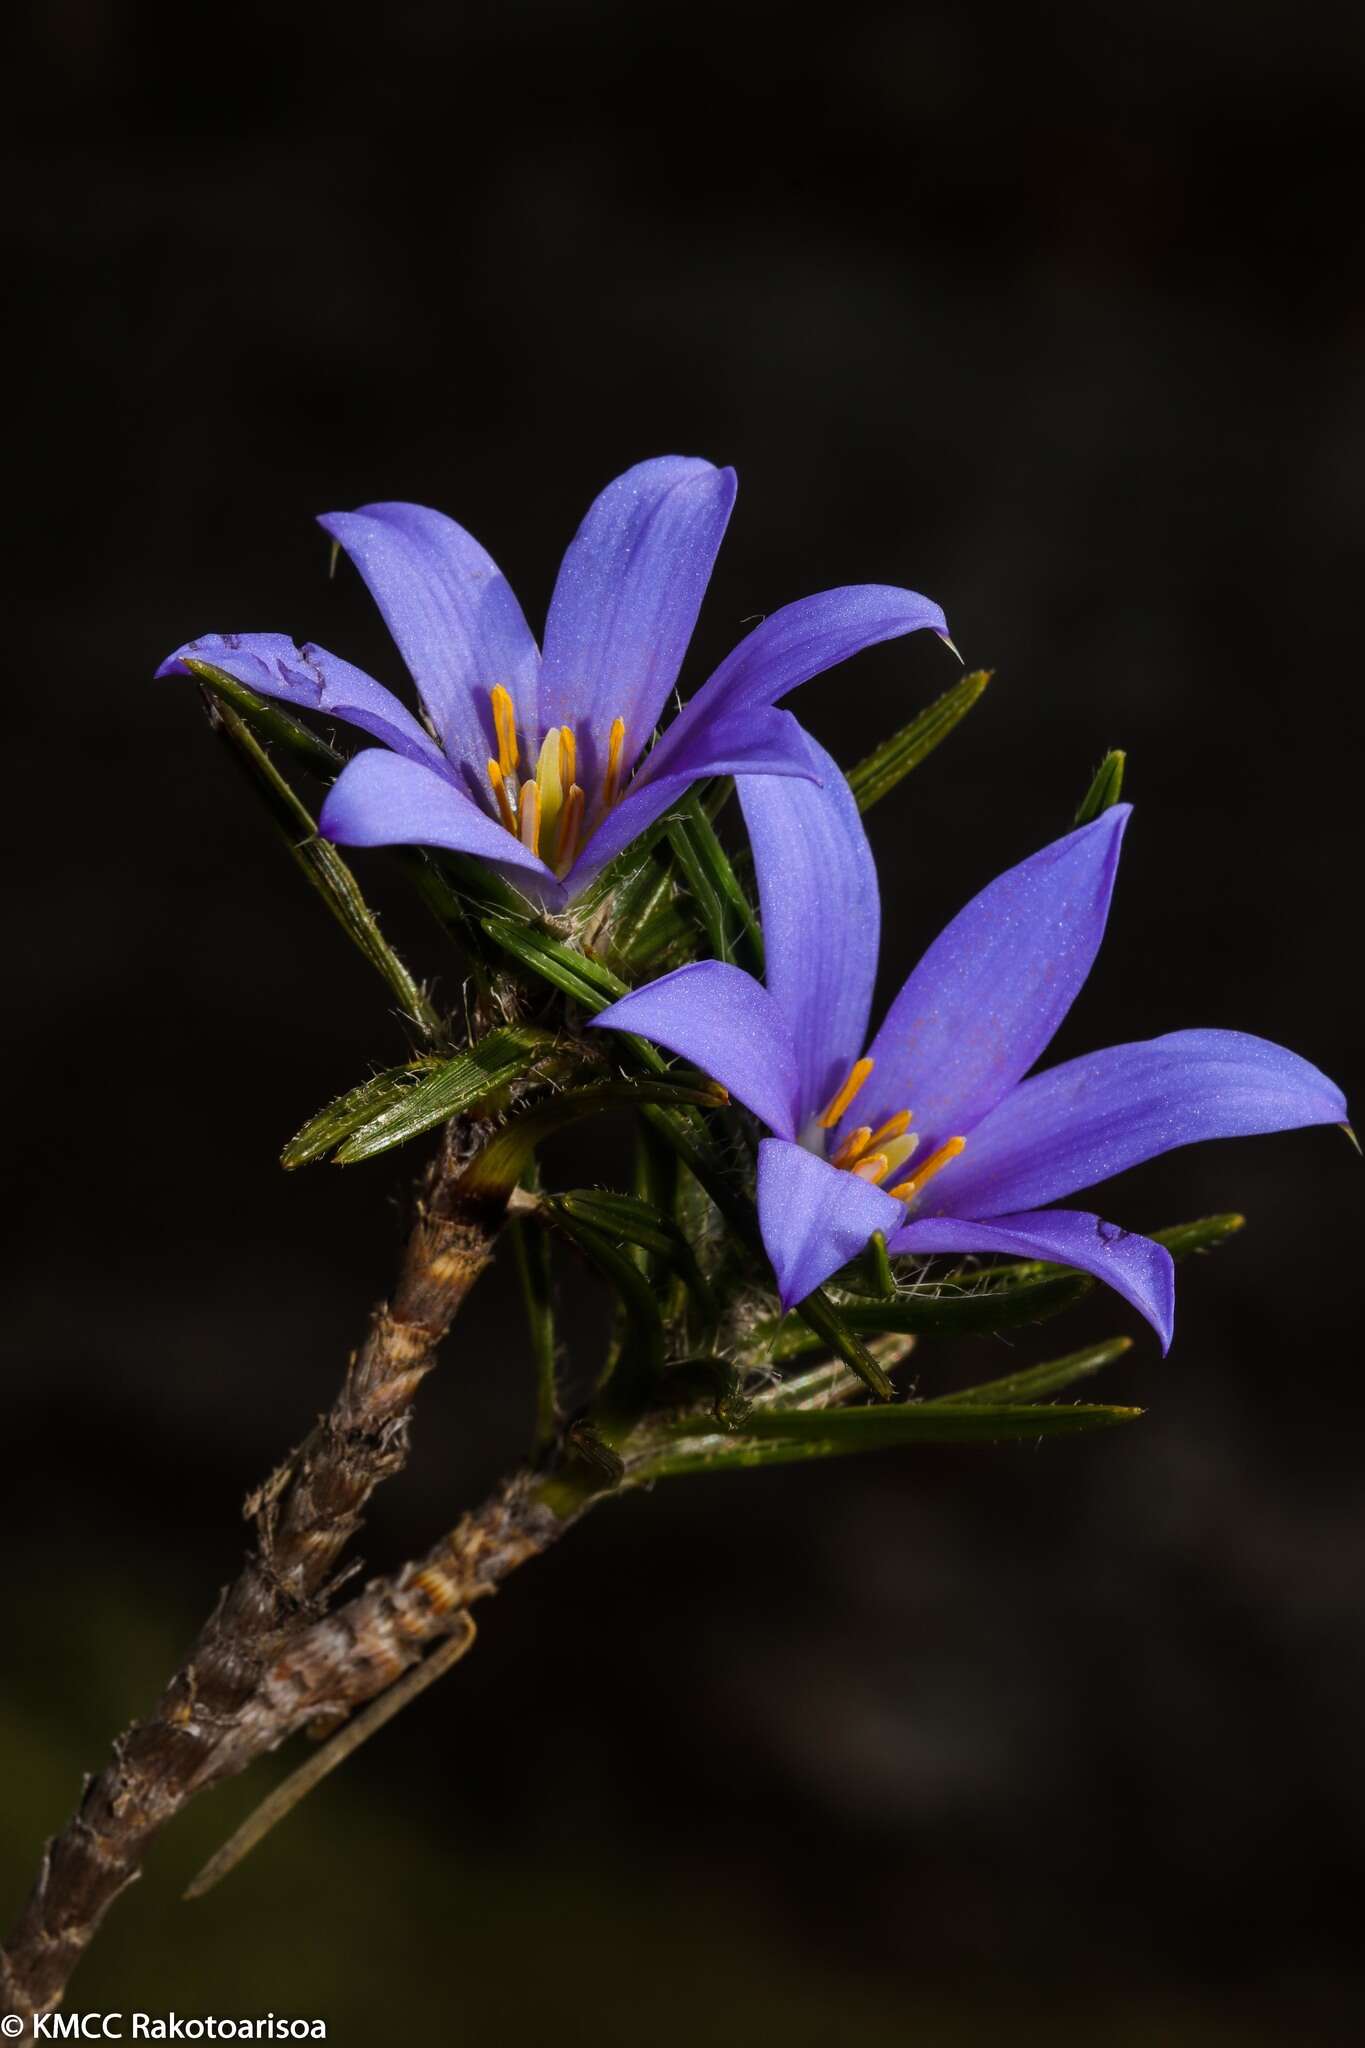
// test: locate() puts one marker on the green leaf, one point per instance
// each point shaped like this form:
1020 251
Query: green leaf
636 1361
268 719
450 1089
638 1223
835 1331
332 1125
790 1437
947 1310
829 1384
323 866
726 914
877 775
588 982
496 1170
1105 788
1033 1382
1204 1235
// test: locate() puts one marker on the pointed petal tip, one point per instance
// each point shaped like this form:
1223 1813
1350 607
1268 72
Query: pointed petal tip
1349 1130
952 647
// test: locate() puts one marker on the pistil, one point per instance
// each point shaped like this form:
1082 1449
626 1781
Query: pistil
548 807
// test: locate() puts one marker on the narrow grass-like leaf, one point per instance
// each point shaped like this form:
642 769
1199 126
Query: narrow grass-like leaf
948 1312
496 1170
726 914
323 866
877 775
834 1330
1035 1382
636 1362
638 1223
589 983
334 1124
830 1384
1105 788
269 720
1203 1235
789 1438
451 1088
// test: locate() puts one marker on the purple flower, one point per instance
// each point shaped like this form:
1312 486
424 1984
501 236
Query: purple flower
987 1147
532 760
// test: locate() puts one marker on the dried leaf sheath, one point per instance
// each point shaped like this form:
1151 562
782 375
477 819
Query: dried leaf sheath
304 1515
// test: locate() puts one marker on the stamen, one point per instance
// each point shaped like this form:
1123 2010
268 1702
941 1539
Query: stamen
529 821
505 726
854 1144
568 757
895 1126
570 827
937 1160
505 811
860 1072
616 741
872 1168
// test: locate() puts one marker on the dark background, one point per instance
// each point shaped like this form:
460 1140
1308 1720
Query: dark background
1055 316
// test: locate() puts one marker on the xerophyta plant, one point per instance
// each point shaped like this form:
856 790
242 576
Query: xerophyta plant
808 1203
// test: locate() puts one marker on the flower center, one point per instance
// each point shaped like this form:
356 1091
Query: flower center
874 1155
545 808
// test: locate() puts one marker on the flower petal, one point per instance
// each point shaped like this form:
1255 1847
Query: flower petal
792 645
991 991
814 1218
1089 1118
762 743
724 1022
817 888
1141 1271
627 598
308 676
380 799
452 614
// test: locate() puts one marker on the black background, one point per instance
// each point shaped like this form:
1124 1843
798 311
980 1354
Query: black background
1056 316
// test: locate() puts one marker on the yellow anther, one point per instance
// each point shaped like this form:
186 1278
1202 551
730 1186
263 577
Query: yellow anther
568 757
505 726
570 830
935 1163
861 1070
853 1146
529 819
499 782
547 781
872 1168
615 743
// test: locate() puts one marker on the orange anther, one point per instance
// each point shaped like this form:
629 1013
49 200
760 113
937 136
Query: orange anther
937 1160
861 1070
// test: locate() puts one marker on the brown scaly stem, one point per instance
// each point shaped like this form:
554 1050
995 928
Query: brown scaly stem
304 1515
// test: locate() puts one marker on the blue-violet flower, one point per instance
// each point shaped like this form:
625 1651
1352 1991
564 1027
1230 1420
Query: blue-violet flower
530 760
988 1147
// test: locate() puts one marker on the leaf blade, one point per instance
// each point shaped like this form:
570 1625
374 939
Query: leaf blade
877 774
